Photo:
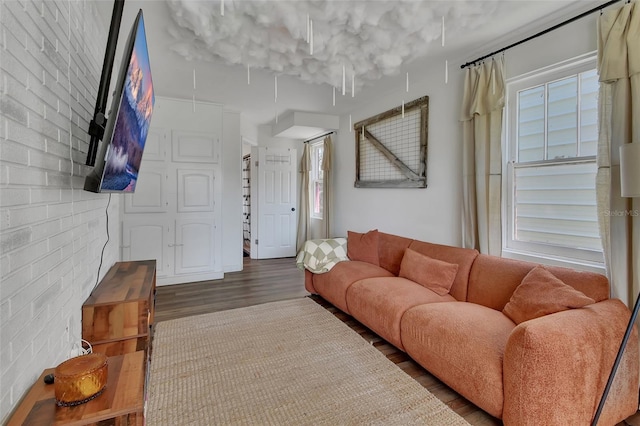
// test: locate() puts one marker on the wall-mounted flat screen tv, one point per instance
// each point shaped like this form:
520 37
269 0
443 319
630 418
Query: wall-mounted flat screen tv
120 153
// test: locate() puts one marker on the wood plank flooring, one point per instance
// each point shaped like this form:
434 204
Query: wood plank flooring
260 281
271 280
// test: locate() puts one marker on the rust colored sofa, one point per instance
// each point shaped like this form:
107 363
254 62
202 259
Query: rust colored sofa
493 335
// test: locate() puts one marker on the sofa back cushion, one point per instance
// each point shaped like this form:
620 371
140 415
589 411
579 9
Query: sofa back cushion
462 257
363 247
434 274
391 250
541 293
494 279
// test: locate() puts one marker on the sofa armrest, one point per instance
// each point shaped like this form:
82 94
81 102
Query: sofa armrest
319 256
308 282
555 367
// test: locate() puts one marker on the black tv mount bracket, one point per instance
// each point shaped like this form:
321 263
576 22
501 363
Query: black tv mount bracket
97 124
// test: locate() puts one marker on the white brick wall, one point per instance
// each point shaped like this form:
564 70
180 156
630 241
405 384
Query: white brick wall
51 231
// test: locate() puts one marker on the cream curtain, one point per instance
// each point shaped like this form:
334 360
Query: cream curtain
481 116
306 230
303 213
619 122
326 186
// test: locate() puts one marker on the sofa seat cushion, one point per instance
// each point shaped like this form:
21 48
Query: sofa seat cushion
379 303
463 344
333 285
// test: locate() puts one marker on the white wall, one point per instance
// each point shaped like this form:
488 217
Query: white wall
52 232
231 192
564 43
434 213
431 213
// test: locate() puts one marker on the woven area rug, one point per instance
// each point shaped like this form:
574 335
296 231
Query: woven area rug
281 363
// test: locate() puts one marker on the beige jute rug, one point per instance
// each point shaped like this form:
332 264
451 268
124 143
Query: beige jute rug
281 363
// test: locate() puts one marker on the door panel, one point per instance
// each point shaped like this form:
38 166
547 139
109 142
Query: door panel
150 195
195 238
195 190
285 230
155 147
195 147
144 239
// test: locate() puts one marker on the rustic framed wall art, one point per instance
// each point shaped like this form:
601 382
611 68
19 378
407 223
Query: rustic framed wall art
391 147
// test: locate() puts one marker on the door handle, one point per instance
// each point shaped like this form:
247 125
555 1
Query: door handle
293 209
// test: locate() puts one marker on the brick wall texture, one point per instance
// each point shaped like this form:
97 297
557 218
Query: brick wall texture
52 233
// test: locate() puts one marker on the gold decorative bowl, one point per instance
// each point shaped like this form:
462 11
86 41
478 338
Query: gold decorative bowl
80 379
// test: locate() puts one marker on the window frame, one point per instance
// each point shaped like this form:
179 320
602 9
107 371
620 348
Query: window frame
533 251
316 175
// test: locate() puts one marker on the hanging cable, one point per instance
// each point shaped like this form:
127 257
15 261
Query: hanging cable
353 84
106 211
344 81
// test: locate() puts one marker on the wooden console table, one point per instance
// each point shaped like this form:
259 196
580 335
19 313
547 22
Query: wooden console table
121 402
117 317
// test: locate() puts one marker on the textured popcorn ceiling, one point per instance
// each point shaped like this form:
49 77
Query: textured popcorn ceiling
198 54
370 39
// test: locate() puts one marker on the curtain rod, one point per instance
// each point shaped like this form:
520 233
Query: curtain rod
318 137
543 32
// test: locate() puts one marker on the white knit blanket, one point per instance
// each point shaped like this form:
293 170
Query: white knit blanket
321 255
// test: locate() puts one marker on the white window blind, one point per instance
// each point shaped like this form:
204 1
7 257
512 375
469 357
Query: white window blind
555 204
550 179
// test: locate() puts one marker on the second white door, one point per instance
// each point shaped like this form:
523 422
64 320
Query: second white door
277 202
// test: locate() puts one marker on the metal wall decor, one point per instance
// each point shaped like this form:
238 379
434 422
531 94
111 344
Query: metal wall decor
391 147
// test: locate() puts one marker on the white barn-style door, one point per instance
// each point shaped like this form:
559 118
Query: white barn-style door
174 215
277 203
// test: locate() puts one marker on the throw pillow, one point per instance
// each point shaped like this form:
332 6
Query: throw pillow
434 274
363 247
541 293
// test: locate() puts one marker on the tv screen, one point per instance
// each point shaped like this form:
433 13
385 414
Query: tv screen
128 125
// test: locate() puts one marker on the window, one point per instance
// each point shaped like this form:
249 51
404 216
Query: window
316 180
552 135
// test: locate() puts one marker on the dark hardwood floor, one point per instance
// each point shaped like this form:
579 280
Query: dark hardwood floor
260 281
271 280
